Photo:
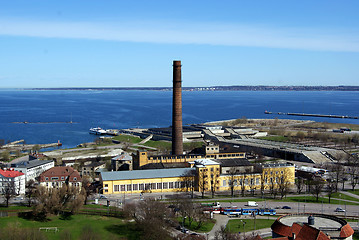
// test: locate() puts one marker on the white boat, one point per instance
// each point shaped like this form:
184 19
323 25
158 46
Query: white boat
97 131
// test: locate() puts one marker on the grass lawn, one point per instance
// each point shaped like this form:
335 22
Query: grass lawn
236 225
276 138
343 196
106 227
356 191
206 227
311 199
127 138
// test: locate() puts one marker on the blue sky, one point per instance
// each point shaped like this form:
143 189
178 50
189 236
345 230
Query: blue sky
117 43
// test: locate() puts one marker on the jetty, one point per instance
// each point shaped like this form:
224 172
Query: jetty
313 115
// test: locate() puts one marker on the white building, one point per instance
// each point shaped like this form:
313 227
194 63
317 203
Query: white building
13 179
33 168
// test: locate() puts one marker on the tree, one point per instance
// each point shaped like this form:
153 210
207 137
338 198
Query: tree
299 182
202 181
330 189
243 182
232 179
284 183
30 189
86 187
5 156
214 181
10 190
151 217
57 201
317 187
224 234
188 181
353 171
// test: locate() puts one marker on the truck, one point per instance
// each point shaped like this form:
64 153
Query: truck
214 204
252 204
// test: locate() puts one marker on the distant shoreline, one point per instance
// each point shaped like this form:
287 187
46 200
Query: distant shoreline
213 88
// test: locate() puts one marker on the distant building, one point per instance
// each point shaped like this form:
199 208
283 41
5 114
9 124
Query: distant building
32 168
122 162
91 169
57 176
209 174
12 178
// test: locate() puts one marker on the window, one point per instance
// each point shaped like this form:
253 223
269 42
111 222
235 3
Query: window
147 186
257 181
47 179
129 187
135 187
224 183
281 172
159 185
266 180
140 186
62 178
116 188
246 181
122 188
153 185
171 185
106 190
54 178
165 185
75 178
176 184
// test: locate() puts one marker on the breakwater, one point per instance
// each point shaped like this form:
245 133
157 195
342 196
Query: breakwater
312 115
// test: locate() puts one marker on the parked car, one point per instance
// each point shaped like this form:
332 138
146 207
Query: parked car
339 209
102 197
286 207
184 230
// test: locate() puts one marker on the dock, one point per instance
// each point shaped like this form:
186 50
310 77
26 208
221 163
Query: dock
312 115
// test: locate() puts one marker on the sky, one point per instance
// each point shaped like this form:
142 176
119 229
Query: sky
115 43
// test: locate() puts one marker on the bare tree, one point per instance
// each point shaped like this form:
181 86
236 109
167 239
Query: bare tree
353 170
188 181
224 234
299 182
30 189
86 187
284 183
243 181
317 187
202 179
330 187
10 190
232 179
214 181
151 217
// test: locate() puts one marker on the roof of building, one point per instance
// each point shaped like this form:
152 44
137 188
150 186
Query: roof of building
95 164
144 174
164 165
204 162
233 162
324 226
31 163
10 173
73 175
123 157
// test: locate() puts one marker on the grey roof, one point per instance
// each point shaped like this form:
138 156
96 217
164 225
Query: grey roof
30 164
143 174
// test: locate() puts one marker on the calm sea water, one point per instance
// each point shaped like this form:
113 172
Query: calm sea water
124 109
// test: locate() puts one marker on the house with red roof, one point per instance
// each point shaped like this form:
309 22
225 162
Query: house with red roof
12 178
55 177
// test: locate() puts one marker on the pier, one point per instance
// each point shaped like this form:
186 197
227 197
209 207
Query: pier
312 115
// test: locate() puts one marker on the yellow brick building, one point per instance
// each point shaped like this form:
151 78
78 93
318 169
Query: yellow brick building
208 176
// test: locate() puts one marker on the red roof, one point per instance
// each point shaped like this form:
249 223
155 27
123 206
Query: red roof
10 173
60 174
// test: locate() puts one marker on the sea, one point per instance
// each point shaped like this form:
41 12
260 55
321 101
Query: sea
48 116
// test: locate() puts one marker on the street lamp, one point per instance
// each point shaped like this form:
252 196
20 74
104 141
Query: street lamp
244 231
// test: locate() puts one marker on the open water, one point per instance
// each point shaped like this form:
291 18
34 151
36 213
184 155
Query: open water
125 109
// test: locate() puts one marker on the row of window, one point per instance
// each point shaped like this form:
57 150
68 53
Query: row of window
57 178
251 182
147 186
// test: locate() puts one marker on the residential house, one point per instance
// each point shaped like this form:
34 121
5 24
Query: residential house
13 179
57 176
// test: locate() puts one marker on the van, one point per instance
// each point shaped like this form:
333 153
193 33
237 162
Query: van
252 204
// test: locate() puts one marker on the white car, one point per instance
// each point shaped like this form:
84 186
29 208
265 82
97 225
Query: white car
339 209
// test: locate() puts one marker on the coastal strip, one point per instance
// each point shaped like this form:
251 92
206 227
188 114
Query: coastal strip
313 115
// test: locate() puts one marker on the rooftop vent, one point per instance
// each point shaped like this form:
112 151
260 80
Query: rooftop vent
311 220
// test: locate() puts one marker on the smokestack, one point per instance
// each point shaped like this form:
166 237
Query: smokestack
177 139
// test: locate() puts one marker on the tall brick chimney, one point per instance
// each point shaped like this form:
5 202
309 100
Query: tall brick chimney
177 139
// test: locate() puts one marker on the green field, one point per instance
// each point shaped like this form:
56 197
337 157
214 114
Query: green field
206 227
236 225
311 199
106 227
356 191
344 197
